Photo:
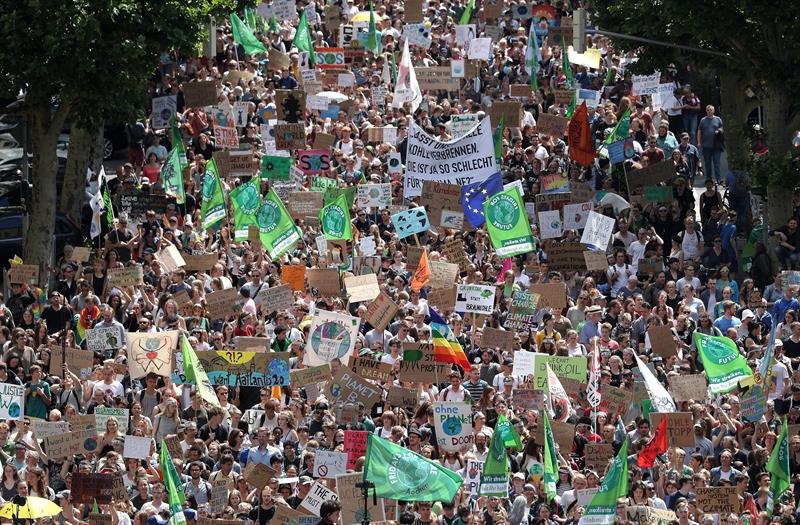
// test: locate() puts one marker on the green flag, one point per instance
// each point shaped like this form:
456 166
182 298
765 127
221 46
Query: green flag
213 208
401 474
507 223
273 25
609 75
196 374
173 486
172 177
572 105
394 68
550 460
177 142
374 42
245 200
275 226
567 68
603 507
250 18
494 478
244 35
778 468
329 195
335 220
95 508
303 40
467 14
498 140
274 167
723 363
620 131
108 206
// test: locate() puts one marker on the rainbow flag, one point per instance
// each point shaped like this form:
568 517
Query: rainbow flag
446 348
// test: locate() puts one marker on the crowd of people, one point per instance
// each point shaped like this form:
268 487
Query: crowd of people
683 260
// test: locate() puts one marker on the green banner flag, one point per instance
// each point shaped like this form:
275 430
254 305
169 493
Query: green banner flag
245 201
320 183
620 131
244 36
335 220
723 363
276 168
374 42
401 474
550 460
276 228
494 478
196 374
173 486
778 468
603 507
467 14
172 177
507 223
331 194
177 141
498 140
567 68
213 208
303 40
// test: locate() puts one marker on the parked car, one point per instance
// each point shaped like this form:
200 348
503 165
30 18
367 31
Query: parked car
11 235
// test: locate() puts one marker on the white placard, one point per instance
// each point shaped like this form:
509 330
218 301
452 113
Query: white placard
515 184
473 479
395 164
318 495
598 230
163 109
550 225
646 84
457 68
524 364
460 125
465 33
316 102
329 464
576 215
480 49
417 35
453 423
346 80
137 447
12 401
474 298
366 246
374 195
240 113
452 219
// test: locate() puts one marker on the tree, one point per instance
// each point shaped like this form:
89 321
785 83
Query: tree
82 61
760 40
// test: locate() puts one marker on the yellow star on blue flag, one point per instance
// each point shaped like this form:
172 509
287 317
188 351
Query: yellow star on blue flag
474 195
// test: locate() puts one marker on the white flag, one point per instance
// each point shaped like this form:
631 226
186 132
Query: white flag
557 400
662 400
407 87
593 392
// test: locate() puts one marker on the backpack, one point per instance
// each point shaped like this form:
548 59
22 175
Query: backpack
739 190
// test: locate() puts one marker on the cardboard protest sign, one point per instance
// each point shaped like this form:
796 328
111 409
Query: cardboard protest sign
302 204
151 352
87 488
258 474
424 369
651 175
352 500
234 368
691 387
200 263
79 362
381 311
294 276
332 336
714 500
662 341
551 295
443 299
251 344
71 443
438 77
223 304
369 368
596 260
330 464
126 276
443 274
453 423
137 447
199 93
43 428
524 306
510 111
310 375
348 387
290 136
290 104
680 431
362 288
219 495
97 518
355 445
566 257
275 299
284 514
649 515
455 253
503 339
102 339
529 398
598 454
552 125
325 281
438 197
398 396
615 400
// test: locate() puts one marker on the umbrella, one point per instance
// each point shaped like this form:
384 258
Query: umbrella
363 16
332 96
30 508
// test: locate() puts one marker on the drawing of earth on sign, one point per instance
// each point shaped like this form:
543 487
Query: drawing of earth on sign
277 370
452 426
152 353
13 410
411 221
331 340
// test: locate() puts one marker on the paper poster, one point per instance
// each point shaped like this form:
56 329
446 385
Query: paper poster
332 336
329 464
474 298
163 110
12 402
598 230
576 215
151 352
137 447
453 423
550 225
409 222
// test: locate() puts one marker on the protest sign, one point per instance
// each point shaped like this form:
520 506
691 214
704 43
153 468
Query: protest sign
423 368
595 260
71 443
374 195
369 368
170 258
137 447
352 500
314 161
453 423
552 201
284 514
598 454
598 230
615 400
44 429
89 488
258 474
443 274
475 298
310 375
576 215
650 265
355 445
330 464
151 352
398 396
472 480
523 310
290 136
507 111
562 366
566 256
235 368
274 299
294 276
529 398
218 498
302 204
552 125
440 197
332 336
103 414
226 137
680 432
79 362
201 262
503 339
12 402
252 416
653 174
102 339
163 108
644 515
691 387
551 295
646 84
524 364
662 341
199 93
325 281
454 252
442 299
223 304
460 161
410 222
381 311
714 500
126 276
362 288
348 387
97 518
251 344
550 225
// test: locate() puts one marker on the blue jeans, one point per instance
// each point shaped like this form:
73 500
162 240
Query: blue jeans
712 156
690 127
786 257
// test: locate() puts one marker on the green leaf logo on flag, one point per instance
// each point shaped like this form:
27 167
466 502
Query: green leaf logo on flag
249 199
335 220
507 223
723 363
268 216
504 213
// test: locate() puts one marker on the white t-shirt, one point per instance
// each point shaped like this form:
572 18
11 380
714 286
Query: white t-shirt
691 244
636 250
623 272
779 375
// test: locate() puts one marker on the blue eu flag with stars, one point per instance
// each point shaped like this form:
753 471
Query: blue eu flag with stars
473 196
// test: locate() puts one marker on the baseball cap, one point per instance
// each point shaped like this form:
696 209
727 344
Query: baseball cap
306 480
156 520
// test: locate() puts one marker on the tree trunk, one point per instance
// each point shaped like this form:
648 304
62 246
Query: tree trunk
45 128
735 111
780 126
82 151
